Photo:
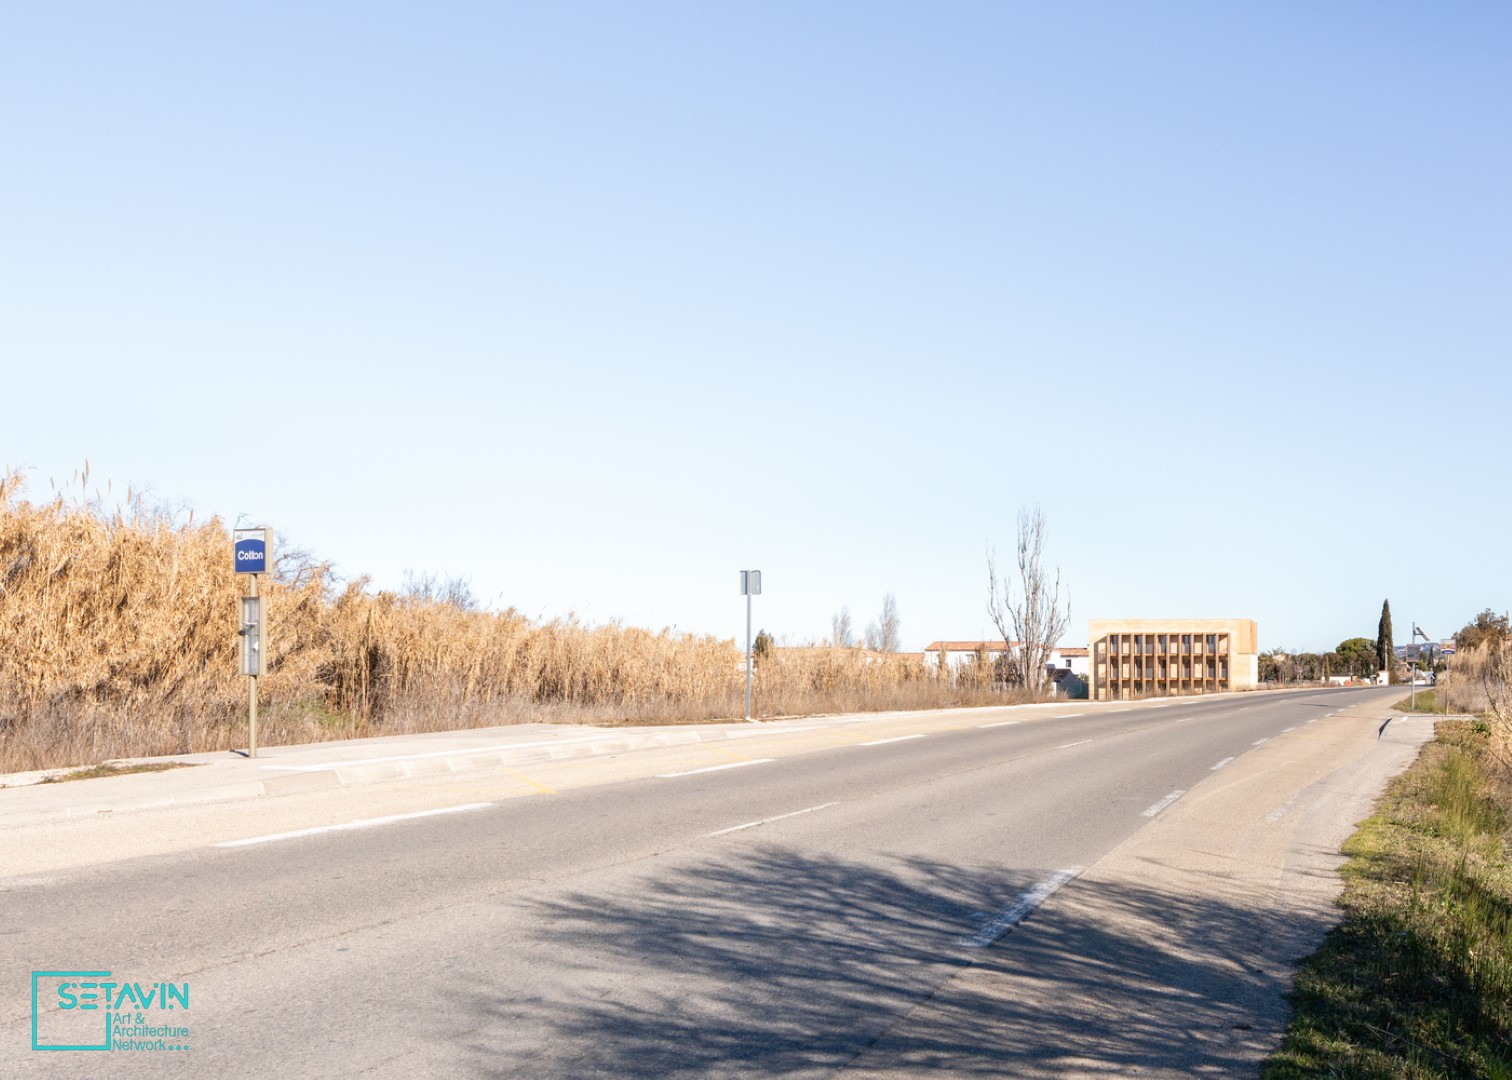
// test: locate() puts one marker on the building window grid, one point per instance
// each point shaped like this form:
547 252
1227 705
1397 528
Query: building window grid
1204 664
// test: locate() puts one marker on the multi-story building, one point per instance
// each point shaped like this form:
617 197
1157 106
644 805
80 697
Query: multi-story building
1134 658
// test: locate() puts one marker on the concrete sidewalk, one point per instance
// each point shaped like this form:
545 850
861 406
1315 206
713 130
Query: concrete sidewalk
228 775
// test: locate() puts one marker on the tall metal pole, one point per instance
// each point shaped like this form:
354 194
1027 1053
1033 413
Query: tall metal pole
252 682
1413 676
748 655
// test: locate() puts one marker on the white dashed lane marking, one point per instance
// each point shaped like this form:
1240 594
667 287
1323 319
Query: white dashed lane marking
1015 912
714 768
368 823
768 821
1163 803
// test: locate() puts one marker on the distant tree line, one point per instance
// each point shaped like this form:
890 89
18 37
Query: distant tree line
1354 658
1361 658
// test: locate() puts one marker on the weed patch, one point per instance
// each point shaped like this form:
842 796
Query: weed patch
1417 981
94 772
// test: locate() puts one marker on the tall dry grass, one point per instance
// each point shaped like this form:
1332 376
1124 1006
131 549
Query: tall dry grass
118 639
1478 682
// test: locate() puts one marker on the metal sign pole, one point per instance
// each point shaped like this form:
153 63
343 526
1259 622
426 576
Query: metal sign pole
748 656
252 685
252 555
1412 651
750 585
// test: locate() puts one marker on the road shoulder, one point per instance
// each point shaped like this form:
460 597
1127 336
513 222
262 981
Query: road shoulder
1171 955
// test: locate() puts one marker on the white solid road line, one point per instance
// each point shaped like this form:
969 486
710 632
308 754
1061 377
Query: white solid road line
768 821
1184 719
1067 715
1000 723
1221 764
1066 746
1015 913
898 738
1285 730
367 824
1260 742
1163 803
714 768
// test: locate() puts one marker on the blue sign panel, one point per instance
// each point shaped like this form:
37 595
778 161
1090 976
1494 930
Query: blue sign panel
251 553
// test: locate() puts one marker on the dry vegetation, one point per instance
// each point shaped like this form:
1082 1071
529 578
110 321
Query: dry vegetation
1476 683
1417 981
118 639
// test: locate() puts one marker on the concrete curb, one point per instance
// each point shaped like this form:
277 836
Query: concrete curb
291 775
222 776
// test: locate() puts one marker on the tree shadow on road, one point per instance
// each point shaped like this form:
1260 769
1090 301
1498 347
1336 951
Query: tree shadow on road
776 963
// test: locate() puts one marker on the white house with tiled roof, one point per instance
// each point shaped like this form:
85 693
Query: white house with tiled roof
959 653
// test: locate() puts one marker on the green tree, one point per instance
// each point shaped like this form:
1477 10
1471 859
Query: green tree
1487 627
1385 648
1358 657
762 646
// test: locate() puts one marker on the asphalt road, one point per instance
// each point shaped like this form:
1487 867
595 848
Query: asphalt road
762 917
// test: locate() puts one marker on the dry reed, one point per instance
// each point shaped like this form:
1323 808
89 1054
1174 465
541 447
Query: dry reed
117 639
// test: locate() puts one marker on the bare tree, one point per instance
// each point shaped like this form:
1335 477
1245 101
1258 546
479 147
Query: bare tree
885 635
296 567
1029 617
841 635
433 589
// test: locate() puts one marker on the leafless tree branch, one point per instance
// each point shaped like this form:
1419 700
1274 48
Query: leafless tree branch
1029 617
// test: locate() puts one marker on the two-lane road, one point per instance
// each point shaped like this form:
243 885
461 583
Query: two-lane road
766 914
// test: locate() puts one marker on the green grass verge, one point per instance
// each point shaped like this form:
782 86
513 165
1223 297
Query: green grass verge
1427 702
1417 981
94 772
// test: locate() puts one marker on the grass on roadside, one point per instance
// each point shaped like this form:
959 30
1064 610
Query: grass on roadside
1417 981
94 772
1426 700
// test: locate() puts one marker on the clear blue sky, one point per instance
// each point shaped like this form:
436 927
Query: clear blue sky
597 304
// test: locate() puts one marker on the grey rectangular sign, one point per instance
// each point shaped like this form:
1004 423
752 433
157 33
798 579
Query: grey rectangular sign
750 583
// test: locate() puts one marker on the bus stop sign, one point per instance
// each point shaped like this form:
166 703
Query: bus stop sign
251 550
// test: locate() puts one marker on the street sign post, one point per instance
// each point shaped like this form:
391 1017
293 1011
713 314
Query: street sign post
1417 632
252 552
750 585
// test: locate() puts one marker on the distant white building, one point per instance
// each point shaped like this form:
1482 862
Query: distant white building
1074 658
959 653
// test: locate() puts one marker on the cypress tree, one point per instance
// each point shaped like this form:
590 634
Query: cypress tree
1385 650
